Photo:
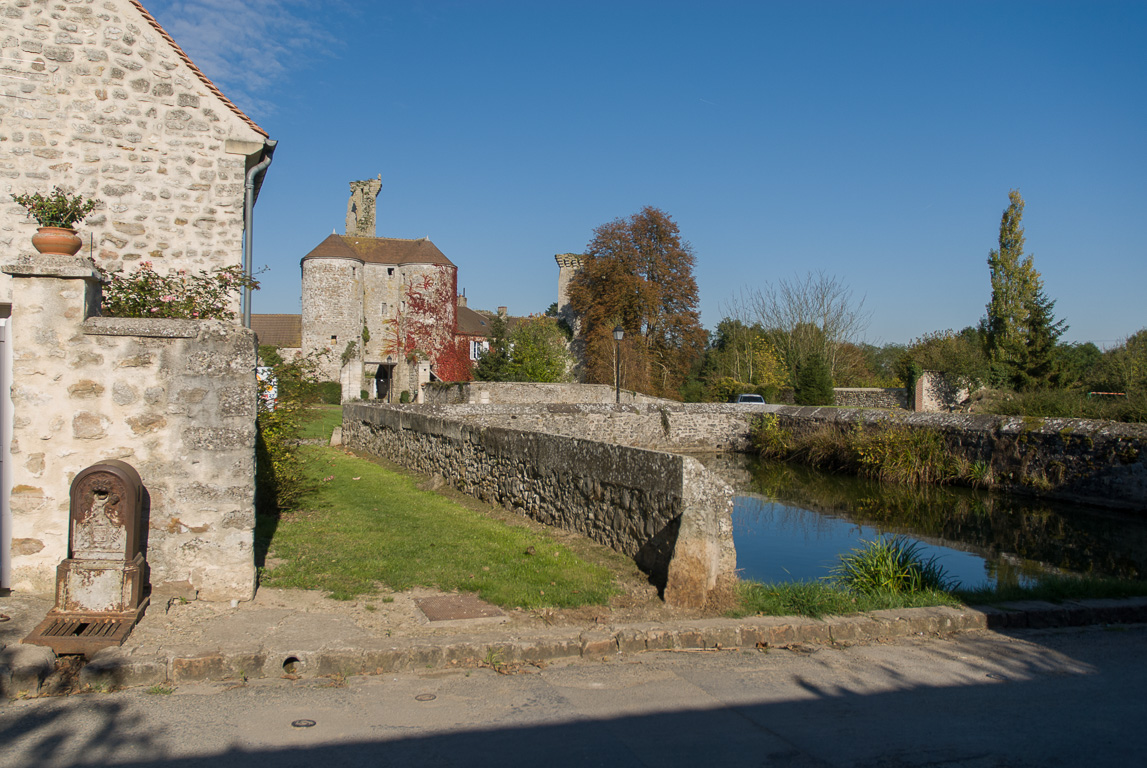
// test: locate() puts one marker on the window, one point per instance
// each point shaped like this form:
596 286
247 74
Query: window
384 307
390 271
477 348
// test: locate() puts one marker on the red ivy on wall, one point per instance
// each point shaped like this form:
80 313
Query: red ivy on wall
420 328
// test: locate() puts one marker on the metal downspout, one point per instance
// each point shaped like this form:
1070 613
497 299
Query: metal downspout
254 177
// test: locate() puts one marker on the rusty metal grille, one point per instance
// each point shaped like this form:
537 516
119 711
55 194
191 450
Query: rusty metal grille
104 629
80 633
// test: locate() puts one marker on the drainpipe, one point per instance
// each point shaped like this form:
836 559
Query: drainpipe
250 192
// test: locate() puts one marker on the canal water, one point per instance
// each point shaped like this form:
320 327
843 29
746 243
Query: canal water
792 523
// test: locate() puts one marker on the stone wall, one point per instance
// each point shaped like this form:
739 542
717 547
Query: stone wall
890 398
173 398
934 393
1095 462
520 393
676 427
664 510
95 99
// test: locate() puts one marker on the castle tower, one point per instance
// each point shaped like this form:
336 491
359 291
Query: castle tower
360 218
569 264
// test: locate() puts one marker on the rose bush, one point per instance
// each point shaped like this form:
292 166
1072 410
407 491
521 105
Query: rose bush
202 296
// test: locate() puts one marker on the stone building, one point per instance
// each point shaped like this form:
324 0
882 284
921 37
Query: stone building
382 311
97 98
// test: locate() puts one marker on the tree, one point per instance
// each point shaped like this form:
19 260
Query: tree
1020 329
638 274
813 382
807 317
959 356
534 350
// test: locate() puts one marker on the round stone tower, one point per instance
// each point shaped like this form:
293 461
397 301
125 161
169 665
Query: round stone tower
332 306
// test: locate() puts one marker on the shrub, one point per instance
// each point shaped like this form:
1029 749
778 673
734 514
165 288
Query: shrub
330 392
146 293
768 437
405 396
279 478
900 454
890 564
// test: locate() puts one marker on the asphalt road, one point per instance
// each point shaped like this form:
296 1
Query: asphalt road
1067 697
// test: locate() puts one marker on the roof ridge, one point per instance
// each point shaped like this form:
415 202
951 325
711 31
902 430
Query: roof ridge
187 60
376 237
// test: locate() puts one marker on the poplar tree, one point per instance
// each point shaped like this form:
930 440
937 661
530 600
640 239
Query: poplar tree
1020 329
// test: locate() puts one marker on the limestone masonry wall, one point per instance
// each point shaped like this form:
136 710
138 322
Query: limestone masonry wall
94 99
175 399
515 392
1097 462
664 510
667 426
892 398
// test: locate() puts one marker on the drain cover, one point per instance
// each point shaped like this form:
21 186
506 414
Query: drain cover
77 633
457 607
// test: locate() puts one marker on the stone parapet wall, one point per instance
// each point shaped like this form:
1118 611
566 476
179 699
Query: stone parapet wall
175 399
522 393
666 426
1095 462
891 398
650 505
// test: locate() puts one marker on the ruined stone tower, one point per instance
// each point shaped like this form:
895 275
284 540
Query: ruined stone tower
360 219
569 264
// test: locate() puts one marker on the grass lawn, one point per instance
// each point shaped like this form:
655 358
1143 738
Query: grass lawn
323 420
368 526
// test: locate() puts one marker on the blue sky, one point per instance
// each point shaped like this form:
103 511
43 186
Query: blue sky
874 141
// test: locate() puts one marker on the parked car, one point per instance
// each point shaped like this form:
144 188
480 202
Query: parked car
749 399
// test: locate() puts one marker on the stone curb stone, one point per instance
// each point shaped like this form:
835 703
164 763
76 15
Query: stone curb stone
120 669
23 668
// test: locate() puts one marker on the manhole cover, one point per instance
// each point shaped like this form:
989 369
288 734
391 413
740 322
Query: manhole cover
302 723
425 697
455 607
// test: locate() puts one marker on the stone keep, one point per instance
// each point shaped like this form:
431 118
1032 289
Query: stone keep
97 98
403 293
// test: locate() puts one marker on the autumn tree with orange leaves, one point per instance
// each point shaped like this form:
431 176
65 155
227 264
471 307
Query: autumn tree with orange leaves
638 273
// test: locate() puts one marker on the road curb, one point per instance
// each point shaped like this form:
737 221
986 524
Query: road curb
116 668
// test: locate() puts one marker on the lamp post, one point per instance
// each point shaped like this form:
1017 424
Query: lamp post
618 335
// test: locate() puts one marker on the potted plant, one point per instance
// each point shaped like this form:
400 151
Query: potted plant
57 214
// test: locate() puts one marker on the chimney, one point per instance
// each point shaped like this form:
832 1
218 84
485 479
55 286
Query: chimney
502 312
462 301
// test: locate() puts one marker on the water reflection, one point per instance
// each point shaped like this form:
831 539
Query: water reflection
793 522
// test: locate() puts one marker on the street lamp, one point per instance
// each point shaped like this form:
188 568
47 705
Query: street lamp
618 335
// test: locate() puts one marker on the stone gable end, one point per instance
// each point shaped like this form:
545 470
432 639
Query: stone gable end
96 98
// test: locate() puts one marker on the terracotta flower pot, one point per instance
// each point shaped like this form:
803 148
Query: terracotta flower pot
57 240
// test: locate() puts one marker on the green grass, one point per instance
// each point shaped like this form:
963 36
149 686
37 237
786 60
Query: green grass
821 598
367 526
1056 589
890 564
321 421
